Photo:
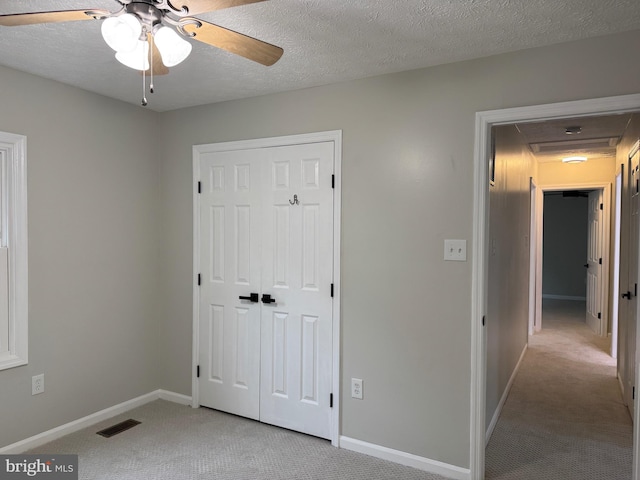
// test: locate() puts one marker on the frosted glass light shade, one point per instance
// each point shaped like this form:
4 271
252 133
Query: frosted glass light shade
173 49
138 59
575 159
121 33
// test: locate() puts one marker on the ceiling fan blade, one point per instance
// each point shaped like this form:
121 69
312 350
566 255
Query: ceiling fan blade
18 19
158 67
234 42
196 7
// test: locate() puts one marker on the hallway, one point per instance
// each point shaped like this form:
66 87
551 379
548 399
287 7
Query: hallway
564 417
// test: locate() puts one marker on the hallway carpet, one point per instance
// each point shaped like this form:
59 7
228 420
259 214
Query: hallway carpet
564 417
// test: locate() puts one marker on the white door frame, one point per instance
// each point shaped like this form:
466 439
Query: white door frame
535 253
480 248
606 242
615 250
334 136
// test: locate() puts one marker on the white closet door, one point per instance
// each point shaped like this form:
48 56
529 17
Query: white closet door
266 228
230 268
297 252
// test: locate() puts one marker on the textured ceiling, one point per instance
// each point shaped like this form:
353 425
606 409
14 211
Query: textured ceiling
597 139
324 41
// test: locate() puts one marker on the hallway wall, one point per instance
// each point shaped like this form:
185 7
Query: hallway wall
596 170
508 302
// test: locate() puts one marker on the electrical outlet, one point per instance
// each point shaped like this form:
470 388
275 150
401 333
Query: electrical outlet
356 388
37 384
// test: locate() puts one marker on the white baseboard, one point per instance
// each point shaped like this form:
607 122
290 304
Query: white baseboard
174 397
564 297
505 394
74 426
407 459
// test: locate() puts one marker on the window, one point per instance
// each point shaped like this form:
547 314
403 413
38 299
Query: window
13 251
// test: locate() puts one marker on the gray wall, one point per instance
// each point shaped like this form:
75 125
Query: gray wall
407 185
508 268
564 248
111 234
93 253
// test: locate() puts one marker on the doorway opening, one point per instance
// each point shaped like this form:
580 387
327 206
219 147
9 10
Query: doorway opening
483 244
572 260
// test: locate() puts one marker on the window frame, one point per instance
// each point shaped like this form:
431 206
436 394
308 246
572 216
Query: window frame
14 231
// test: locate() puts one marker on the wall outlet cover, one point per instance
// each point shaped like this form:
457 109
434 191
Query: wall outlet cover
37 384
356 388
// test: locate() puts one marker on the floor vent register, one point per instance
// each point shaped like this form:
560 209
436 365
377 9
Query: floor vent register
118 428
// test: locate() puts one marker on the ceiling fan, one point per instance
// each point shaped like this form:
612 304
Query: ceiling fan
149 35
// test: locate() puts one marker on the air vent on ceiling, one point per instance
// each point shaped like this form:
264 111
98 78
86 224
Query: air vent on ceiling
574 144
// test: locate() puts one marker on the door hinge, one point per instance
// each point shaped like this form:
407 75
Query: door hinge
333 181
199 187
635 290
331 400
602 206
198 371
199 279
599 315
600 261
633 393
483 320
332 290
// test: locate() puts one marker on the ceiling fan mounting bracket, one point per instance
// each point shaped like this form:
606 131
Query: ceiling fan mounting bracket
149 15
162 5
153 14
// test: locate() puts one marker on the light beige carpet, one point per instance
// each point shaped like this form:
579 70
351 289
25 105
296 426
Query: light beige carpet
564 417
176 442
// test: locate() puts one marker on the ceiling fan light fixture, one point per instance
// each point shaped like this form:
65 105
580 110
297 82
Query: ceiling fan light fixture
122 33
173 49
138 59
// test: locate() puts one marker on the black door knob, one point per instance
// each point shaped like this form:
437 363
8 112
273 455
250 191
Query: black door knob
266 298
627 295
253 297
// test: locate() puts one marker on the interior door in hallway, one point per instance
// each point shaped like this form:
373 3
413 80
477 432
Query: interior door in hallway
266 223
594 262
631 295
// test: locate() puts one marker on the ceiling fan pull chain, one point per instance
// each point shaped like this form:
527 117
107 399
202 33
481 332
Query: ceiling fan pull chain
144 88
151 47
144 79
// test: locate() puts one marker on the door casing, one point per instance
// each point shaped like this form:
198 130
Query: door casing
615 252
334 136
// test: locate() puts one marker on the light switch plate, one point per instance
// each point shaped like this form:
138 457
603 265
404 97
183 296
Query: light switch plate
455 250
